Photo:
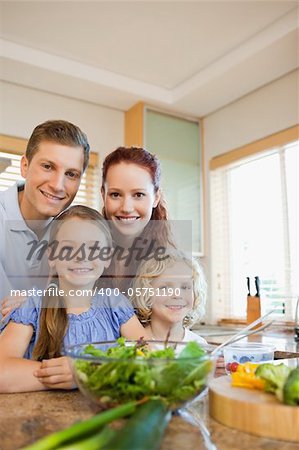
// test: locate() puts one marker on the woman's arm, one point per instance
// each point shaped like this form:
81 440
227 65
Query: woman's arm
133 329
16 373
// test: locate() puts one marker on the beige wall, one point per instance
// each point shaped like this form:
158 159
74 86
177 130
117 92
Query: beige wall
259 114
23 108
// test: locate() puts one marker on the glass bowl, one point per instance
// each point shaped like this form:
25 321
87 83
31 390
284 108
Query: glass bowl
112 381
240 353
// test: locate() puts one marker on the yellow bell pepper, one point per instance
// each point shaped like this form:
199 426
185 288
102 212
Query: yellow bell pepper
245 377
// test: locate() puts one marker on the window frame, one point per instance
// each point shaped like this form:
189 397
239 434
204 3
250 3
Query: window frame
265 144
239 155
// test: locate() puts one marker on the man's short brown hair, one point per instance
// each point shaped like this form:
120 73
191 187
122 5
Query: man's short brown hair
60 132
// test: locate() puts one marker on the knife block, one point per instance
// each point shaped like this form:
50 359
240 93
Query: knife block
253 310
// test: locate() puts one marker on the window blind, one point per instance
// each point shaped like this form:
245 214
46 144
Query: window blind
254 232
89 190
88 193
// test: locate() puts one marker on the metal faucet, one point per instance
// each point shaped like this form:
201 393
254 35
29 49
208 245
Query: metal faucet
296 338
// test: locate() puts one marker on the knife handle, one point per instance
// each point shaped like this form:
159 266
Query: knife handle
248 286
257 286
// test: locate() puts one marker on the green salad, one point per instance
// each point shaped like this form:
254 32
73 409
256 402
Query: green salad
131 372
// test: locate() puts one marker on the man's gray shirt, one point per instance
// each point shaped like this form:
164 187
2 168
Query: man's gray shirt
20 267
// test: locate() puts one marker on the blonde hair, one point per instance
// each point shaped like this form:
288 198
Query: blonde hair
153 269
53 320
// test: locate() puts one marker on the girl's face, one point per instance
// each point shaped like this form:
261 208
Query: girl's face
129 197
76 259
173 294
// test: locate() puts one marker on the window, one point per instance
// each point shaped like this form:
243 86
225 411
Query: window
255 207
11 150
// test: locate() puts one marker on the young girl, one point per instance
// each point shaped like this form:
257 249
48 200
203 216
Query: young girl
73 310
169 296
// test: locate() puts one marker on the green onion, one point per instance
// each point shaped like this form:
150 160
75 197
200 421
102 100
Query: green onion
96 442
82 429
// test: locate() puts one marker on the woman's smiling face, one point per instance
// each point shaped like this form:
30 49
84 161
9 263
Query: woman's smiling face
129 197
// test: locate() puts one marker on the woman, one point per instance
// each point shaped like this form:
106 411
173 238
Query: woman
136 210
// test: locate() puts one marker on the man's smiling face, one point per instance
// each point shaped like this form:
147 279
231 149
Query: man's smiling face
52 180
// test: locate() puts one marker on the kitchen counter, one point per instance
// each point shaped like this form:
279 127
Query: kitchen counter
28 416
281 337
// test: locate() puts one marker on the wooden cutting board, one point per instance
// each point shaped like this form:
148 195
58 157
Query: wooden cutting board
252 411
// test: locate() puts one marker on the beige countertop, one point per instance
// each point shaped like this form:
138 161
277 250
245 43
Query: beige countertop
26 417
281 337
29 416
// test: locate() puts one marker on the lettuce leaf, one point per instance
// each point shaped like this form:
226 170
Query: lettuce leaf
140 372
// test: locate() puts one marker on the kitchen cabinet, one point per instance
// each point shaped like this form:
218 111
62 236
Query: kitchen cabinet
177 143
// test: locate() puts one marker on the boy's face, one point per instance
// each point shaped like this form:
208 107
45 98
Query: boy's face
173 294
52 180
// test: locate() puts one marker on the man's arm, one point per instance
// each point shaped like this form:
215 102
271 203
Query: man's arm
8 302
5 286
5 289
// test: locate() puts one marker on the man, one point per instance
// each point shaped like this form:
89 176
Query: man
56 156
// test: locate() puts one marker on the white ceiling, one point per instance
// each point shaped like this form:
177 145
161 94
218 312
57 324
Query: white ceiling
188 57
